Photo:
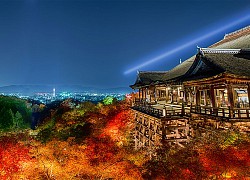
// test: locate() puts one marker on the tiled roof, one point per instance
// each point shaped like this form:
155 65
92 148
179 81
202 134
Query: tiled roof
238 64
237 40
233 36
241 42
213 62
147 77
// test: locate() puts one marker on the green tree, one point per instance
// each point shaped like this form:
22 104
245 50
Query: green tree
6 118
14 112
108 100
18 120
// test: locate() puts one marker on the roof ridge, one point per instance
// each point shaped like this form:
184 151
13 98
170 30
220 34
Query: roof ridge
218 51
153 71
233 36
237 31
222 51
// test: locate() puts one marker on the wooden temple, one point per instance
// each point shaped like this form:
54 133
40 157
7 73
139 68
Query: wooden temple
208 90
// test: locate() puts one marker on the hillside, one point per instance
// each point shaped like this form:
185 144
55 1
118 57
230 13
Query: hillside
87 141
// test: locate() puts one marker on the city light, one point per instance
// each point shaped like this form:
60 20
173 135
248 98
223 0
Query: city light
191 42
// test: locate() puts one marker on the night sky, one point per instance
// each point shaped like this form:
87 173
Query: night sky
92 43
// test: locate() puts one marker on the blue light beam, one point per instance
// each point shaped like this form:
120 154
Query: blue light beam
160 57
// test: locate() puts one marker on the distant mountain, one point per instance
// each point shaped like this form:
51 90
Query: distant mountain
117 90
31 89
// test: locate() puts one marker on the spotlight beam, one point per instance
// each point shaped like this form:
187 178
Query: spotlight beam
164 55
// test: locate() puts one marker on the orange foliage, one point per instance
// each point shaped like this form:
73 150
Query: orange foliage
98 157
12 156
187 174
100 149
217 161
106 154
117 127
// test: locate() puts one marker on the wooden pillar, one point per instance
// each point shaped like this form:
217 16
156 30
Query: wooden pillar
197 97
139 94
167 94
150 98
142 93
163 131
248 93
212 96
184 95
182 109
178 94
194 96
205 97
155 92
230 99
230 95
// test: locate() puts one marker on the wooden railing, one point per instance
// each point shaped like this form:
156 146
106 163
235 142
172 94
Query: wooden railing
160 112
149 110
241 113
143 102
219 112
227 112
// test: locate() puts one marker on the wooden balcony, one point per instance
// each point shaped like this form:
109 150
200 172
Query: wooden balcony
162 109
225 112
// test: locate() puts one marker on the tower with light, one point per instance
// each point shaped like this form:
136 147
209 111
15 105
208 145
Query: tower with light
54 93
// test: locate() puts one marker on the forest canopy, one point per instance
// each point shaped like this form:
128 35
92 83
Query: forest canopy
15 113
95 141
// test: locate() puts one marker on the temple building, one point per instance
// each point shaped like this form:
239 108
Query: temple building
210 89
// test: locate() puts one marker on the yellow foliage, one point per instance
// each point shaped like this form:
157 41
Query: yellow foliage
138 158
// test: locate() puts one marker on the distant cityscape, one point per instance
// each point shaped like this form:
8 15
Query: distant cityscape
48 97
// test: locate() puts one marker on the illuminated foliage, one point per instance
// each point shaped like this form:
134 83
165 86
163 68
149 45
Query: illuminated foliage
108 100
203 158
100 150
12 157
97 143
222 162
119 127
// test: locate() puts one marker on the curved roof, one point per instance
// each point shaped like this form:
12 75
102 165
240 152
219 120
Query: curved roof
239 43
214 61
232 36
238 64
236 40
242 42
147 77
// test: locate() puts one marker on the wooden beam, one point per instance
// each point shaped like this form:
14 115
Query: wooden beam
220 78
